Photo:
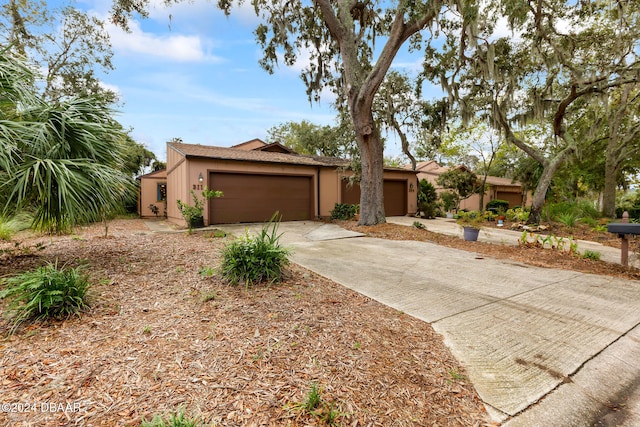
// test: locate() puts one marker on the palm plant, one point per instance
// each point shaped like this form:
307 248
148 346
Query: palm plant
63 158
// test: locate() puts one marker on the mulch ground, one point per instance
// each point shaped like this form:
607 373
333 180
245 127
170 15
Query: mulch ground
165 335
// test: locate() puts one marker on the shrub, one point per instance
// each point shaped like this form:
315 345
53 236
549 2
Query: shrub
256 259
47 292
10 226
497 206
427 199
568 218
594 255
193 214
344 211
517 214
473 219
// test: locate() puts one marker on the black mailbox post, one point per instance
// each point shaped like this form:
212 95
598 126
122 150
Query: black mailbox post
623 229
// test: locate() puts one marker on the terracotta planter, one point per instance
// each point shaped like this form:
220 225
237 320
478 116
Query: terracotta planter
470 234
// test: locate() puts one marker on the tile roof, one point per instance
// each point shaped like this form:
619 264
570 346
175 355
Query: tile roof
224 153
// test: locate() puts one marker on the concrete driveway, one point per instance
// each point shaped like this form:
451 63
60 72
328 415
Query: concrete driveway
543 347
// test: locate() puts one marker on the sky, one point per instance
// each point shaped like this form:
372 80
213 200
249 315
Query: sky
189 72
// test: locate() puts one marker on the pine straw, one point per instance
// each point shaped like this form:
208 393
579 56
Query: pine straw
153 344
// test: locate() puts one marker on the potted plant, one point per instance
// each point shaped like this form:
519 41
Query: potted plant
193 214
471 223
449 202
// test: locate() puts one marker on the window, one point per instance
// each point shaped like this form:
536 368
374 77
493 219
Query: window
162 192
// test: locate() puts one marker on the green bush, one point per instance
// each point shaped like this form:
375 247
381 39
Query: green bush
344 211
10 226
593 255
256 259
47 292
419 225
568 218
497 205
517 214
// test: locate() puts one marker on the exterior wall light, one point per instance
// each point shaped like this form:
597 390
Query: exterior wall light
200 178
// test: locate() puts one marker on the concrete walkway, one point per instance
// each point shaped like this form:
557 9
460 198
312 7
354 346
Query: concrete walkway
543 347
510 237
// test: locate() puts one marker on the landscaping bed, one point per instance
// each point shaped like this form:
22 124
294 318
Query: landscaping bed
165 334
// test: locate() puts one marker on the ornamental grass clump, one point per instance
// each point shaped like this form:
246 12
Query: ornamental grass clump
255 259
47 292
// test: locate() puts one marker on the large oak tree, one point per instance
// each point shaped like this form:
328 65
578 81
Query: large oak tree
563 56
352 44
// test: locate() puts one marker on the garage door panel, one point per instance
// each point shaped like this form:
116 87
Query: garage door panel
394 193
255 198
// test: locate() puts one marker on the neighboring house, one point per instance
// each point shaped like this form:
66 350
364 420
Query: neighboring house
258 179
152 192
497 188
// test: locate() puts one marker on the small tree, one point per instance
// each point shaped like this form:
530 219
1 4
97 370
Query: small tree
461 182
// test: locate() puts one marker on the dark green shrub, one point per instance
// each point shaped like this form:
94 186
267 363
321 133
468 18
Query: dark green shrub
47 292
255 259
497 206
344 211
427 199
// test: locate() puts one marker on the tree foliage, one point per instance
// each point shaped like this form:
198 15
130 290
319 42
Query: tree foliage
70 45
58 159
564 56
461 182
308 138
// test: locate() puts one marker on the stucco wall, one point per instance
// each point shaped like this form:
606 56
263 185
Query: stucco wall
198 166
176 184
149 194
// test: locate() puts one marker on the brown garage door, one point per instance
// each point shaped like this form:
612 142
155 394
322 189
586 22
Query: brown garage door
395 196
256 197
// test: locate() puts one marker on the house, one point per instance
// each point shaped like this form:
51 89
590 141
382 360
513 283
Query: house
258 179
497 187
152 194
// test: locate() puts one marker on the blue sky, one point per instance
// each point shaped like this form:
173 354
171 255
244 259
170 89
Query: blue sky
190 72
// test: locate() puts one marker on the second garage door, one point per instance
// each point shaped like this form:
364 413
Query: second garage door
394 193
256 197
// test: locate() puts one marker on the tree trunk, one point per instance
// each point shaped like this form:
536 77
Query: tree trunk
483 190
372 179
548 170
610 181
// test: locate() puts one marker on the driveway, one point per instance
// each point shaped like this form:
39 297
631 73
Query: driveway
543 347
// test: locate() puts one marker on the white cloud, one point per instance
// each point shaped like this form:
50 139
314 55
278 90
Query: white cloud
172 47
113 88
